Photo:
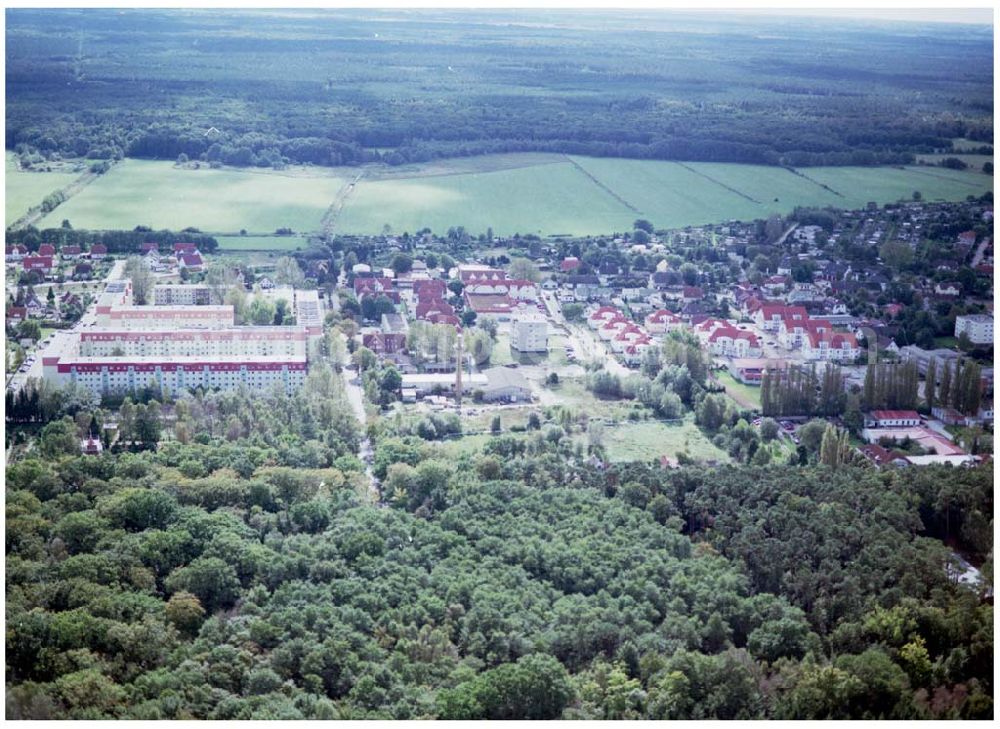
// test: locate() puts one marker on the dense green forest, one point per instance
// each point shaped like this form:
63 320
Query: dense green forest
242 569
340 87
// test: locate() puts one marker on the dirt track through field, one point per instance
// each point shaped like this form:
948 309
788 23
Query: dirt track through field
330 217
804 176
719 183
604 187
941 177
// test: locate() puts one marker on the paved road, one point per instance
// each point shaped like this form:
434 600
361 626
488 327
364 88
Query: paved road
356 397
584 341
977 258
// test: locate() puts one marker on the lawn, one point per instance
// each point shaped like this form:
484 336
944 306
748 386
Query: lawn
747 393
646 440
261 243
160 195
26 189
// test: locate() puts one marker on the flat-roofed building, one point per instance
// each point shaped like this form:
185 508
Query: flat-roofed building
248 341
104 375
165 317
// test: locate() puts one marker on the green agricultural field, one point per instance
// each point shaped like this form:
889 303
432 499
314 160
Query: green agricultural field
160 195
260 243
543 199
26 189
881 184
585 195
543 194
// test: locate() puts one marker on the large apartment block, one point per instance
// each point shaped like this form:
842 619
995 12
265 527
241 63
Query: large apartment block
103 375
165 317
179 347
248 341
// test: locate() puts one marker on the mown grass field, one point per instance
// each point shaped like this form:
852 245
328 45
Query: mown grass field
25 189
261 243
160 195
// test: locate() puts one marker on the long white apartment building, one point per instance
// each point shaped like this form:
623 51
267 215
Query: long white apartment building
165 317
246 341
108 375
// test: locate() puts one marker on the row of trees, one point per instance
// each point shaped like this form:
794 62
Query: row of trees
117 241
959 387
801 390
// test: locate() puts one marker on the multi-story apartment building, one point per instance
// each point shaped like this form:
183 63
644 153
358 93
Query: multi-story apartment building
104 375
529 331
978 327
165 317
181 295
246 341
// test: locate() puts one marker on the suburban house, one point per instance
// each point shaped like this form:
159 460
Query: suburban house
662 321
729 341
770 317
15 253
43 264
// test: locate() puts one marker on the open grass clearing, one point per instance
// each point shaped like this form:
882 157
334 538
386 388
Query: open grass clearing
743 393
527 193
161 195
648 440
541 199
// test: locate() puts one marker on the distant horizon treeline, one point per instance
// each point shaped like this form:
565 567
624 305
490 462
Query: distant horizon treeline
254 149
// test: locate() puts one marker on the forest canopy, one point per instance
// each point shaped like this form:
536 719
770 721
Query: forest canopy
344 88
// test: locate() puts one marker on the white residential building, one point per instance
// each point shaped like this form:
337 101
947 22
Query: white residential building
181 295
103 375
529 331
978 327
165 317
